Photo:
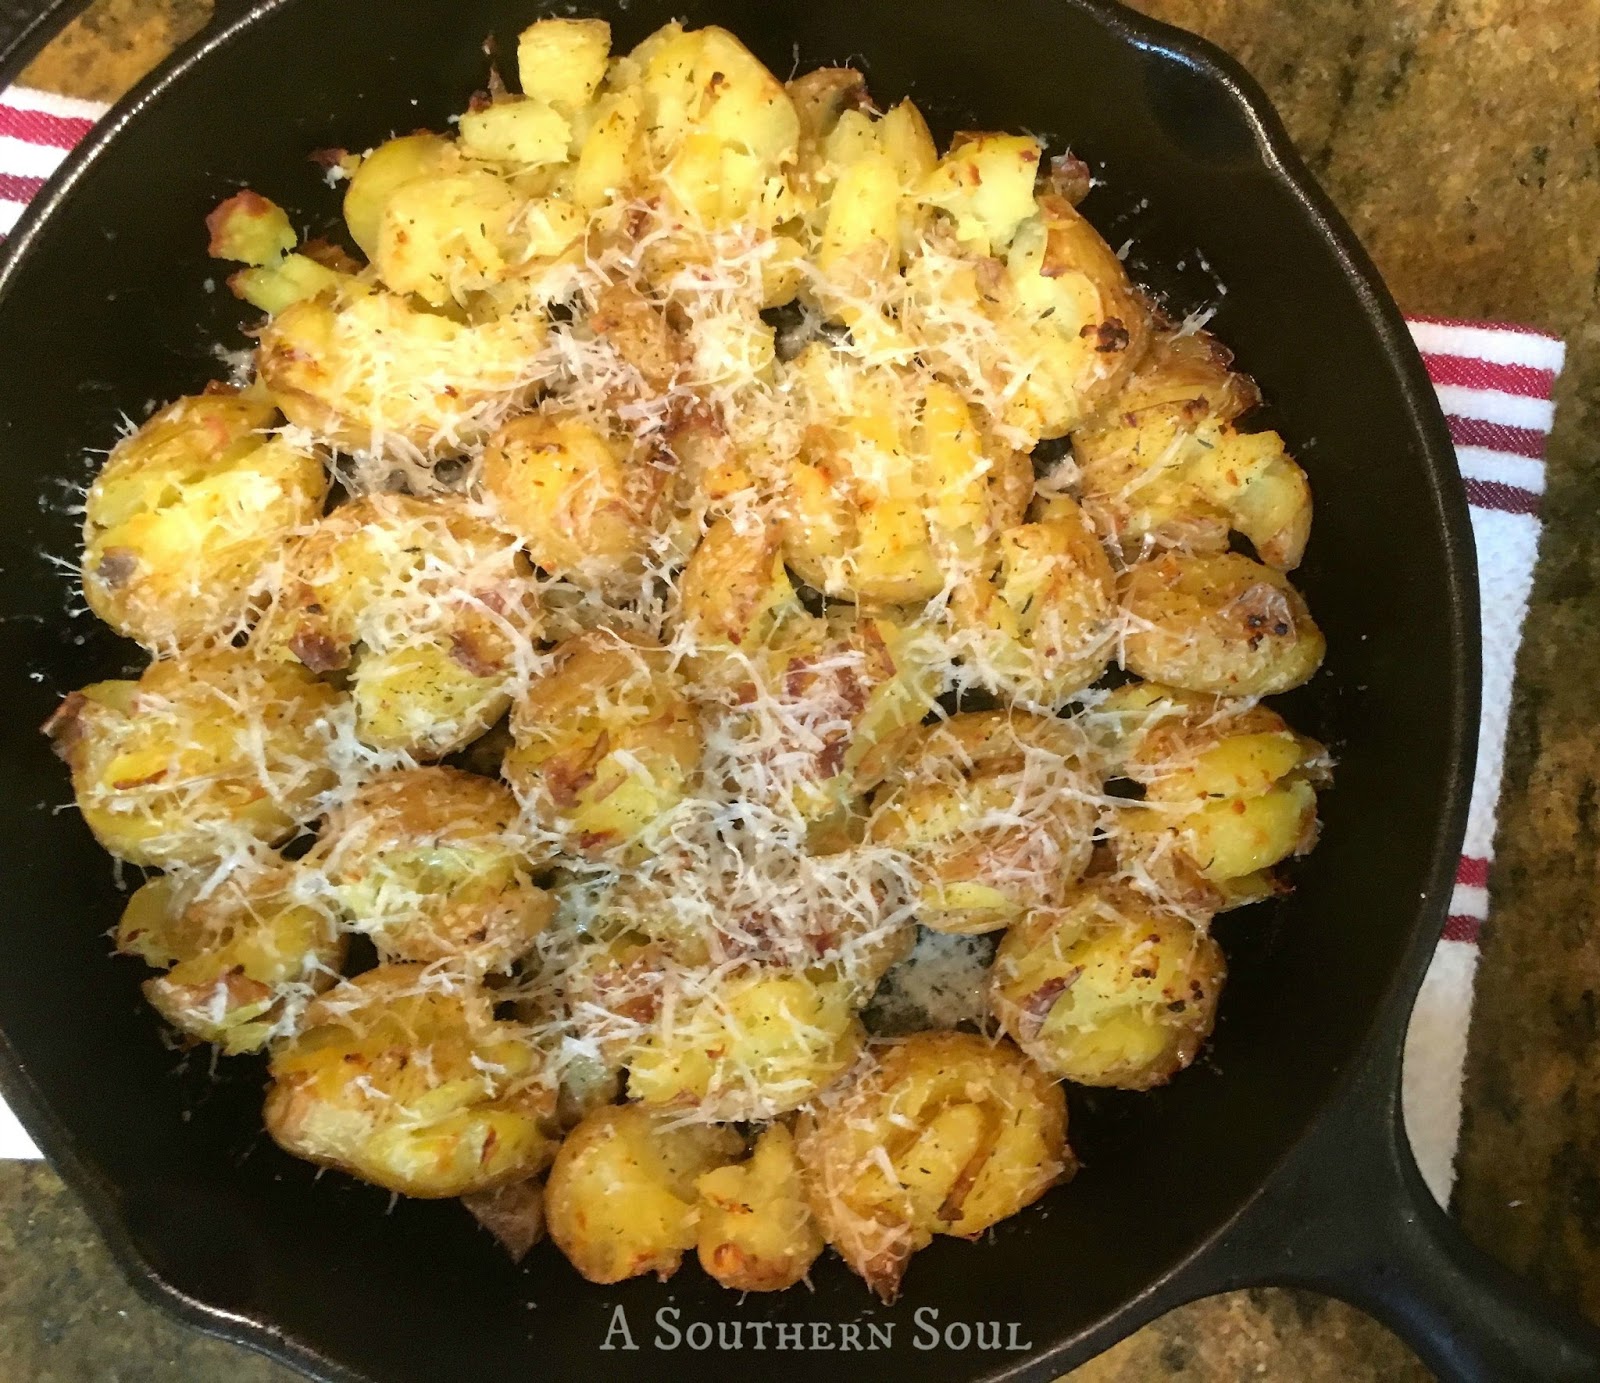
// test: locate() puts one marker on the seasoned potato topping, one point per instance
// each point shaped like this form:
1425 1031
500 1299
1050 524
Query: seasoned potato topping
669 588
1108 989
200 759
403 1077
185 516
943 1133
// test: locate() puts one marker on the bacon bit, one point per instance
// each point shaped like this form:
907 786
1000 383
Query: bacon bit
1036 1007
1069 177
328 159
127 784
479 101
219 388
831 759
318 651
64 726
116 567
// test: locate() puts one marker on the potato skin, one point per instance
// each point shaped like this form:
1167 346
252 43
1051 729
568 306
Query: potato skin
757 1233
164 771
182 521
603 744
1109 989
620 1200
240 960
412 1084
427 862
996 810
972 1129
1220 623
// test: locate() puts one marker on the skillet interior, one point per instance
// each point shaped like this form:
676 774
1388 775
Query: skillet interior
107 313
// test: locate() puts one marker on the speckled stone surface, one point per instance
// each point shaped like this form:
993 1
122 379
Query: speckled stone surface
1462 140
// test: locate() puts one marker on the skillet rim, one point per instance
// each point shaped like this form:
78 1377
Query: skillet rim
1378 1046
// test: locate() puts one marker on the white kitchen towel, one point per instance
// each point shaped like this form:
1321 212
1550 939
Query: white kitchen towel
1495 383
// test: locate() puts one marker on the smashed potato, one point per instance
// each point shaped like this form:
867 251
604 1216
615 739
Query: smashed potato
1038 623
1229 791
604 744
203 756
428 863
183 519
370 373
621 1200
404 1078
241 958
1109 989
944 1133
747 1046
996 811
1220 623
1166 461
425 604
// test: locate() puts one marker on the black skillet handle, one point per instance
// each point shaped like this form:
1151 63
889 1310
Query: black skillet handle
1348 1214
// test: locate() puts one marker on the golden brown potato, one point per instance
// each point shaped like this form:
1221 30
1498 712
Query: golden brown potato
1166 461
404 1078
1229 791
185 516
822 696
945 1133
746 1046
757 1233
620 1200
1043 338
249 228
604 744
996 810
241 958
1219 623
388 167
985 183
426 603
895 485
429 864
1037 624
589 507
1109 989
201 758
368 372
563 61
734 599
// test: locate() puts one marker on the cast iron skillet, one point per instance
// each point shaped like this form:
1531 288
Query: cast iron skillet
1280 1160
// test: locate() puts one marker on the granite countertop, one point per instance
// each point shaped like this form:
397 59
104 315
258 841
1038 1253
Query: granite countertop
1462 140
